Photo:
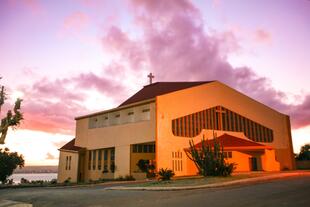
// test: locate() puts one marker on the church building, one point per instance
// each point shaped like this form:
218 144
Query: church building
157 124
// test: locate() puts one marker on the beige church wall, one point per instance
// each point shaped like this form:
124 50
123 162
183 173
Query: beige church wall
241 160
122 161
180 103
64 174
116 135
269 162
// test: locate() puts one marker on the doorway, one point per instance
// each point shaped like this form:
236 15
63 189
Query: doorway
253 164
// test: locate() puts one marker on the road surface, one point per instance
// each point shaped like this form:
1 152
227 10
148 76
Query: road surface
285 192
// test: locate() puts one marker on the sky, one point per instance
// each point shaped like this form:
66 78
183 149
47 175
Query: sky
73 57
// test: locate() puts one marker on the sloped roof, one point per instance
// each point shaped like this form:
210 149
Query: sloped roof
70 146
230 142
160 88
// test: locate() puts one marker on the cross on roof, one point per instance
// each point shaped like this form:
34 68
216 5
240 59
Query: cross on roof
151 76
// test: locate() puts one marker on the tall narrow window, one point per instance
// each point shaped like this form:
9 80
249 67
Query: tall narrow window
181 126
94 159
89 160
69 167
99 159
105 162
67 162
194 125
112 162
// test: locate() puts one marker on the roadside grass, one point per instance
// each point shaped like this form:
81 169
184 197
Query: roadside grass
198 180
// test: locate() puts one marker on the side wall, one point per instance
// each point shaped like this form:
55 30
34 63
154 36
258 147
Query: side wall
64 171
184 102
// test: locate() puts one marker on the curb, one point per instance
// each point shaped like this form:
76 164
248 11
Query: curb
9 203
214 185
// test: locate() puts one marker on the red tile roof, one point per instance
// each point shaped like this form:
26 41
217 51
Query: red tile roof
160 88
70 146
230 142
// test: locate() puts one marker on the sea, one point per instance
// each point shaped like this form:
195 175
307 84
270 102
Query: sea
33 176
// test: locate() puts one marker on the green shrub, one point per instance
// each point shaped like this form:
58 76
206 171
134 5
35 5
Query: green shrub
210 160
129 177
24 181
53 181
165 174
67 181
147 167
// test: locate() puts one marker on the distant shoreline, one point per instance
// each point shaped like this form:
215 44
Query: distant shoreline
36 169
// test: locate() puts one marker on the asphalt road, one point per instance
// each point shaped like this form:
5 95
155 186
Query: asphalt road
293 192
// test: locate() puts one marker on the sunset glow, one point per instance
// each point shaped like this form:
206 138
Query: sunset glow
81 56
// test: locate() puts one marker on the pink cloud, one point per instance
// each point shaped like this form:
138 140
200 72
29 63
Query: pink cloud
49 156
262 36
51 106
76 22
175 46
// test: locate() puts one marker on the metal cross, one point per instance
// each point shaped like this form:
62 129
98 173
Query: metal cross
151 76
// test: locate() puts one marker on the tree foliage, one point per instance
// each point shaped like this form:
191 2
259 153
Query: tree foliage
210 160
304 153
9 161
147 167
12 118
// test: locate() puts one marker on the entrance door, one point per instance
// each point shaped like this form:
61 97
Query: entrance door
253 163
81 167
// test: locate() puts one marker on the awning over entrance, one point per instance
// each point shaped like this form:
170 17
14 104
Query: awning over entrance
230 142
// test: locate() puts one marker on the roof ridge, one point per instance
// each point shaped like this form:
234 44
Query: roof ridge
160 88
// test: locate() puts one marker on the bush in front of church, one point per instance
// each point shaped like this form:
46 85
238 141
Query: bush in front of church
165 174
210 160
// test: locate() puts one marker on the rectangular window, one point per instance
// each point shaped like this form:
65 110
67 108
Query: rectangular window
105 163
173 127
185 126
89 160
112 163
130 113
145 110
232 121
67 162
193 125
134 148
140 148
223 125
145 148
190 125
69 167
112 154
177 127
99 159
237 122
196 124
94 159
181 126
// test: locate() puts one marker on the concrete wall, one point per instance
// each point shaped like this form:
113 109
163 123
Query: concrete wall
121 135
63 173
180 103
